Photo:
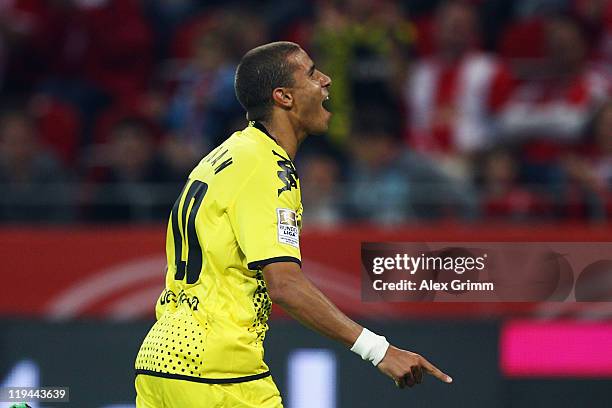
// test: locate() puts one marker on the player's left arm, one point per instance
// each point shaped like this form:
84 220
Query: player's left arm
289 288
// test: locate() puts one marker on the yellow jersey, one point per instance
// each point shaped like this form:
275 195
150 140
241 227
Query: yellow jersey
239 211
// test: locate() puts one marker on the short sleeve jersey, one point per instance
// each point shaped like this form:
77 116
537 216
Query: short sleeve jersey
239 211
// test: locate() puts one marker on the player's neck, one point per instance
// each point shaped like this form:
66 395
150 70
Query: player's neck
285 134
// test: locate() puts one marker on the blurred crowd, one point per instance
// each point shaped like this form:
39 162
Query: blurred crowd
471 110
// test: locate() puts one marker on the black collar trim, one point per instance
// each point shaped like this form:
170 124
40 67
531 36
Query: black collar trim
261 127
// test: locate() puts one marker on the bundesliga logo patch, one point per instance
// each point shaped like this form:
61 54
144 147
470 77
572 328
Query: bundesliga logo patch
288 231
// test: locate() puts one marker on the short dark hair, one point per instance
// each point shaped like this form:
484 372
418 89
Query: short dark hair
260 71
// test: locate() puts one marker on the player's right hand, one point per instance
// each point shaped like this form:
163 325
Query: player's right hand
406 368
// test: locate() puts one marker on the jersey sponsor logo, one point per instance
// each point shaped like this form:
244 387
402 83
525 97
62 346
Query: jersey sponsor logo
168 296
287 174
288 231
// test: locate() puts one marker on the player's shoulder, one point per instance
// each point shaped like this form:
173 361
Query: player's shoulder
236 153
249 154
251 150
261 150
247 146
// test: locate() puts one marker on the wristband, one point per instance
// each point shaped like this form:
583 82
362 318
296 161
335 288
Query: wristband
370 346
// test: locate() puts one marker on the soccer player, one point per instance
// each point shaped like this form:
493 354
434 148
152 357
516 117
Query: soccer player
233 249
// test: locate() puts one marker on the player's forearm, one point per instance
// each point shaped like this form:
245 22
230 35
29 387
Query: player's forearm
307 304
288 287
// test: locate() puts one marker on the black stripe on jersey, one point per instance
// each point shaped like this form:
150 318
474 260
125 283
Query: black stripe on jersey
216 158
205 380
223 165
212 154
257 265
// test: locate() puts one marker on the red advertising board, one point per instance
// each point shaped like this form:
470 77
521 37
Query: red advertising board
118 272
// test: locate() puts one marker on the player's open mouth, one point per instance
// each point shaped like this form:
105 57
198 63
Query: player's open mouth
326 104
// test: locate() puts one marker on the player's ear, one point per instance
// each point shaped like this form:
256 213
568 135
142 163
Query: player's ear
282 97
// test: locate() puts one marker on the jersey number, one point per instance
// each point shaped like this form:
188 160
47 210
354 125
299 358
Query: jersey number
187 234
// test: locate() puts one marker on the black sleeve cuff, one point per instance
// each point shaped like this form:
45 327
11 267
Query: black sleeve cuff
257 265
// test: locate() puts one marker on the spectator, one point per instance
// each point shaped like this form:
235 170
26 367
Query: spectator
133 180
166 16
454 95
59 126
204 102
559 105
30 176
44 39
387 184
362 45
120 53
321 191
548 115
603 137
595 19
178 158
589 175
503 196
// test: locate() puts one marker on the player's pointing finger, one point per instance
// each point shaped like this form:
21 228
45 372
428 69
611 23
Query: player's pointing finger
436 372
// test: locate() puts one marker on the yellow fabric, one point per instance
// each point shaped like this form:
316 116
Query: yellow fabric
157 392
212 315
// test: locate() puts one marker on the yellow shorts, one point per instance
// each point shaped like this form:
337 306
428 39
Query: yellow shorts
157 392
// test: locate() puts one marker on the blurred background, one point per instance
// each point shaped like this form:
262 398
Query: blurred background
484 120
